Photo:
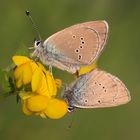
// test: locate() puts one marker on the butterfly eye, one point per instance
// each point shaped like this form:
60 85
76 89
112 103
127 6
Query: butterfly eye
38 43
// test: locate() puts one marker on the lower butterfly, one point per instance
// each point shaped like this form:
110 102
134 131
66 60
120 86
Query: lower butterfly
96 89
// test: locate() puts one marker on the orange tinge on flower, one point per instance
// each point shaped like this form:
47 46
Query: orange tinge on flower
41 100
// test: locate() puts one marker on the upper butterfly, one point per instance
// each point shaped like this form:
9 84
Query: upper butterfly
73 47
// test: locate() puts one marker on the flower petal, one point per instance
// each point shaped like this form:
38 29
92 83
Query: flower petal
18 60
50 81
51 84
56 108
23 74
18 72
43 89
19 82
25 109
36 80
41 66
37 103
27 74
34 66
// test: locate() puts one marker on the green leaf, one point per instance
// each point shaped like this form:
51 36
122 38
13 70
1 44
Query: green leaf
7 83
4 78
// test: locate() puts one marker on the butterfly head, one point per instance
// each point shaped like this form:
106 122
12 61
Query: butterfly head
38 44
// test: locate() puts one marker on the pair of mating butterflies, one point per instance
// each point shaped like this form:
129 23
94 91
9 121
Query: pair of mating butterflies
77 46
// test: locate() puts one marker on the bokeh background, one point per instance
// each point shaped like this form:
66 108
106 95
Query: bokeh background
121 58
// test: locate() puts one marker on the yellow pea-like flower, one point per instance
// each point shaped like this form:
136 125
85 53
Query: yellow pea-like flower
40 83
27 73
23 74
56 108
24 70
19 82
87 69
37 103
41 67
51 84
19 60
33 103
25 110
38 97
36 80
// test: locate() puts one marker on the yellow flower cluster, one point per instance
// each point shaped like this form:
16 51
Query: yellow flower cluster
38 89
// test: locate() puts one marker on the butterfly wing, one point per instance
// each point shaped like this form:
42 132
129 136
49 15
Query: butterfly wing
102 28
80 44
98 89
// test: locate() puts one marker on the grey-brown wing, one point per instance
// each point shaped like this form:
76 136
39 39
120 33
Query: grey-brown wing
98 89
79 44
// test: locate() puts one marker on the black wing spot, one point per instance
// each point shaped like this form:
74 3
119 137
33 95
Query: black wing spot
83 42
99 101
82 38
73 36
79 57
77 51
86 101
81 47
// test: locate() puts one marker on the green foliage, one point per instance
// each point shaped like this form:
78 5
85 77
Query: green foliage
7 84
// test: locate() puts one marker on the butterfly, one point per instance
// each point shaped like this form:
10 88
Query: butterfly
74 47
96 89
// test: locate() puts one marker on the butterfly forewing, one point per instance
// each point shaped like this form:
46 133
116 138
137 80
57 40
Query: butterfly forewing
102 28
80 44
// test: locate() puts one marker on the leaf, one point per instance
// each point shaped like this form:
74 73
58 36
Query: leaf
4 78
6 82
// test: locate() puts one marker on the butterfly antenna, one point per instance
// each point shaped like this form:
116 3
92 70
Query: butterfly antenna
33 23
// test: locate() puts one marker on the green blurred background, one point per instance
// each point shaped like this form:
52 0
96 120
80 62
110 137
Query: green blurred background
121 58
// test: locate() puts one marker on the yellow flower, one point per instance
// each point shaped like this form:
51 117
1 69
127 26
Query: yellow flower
44 83
86 69
56 108
43 106
33 103
40 98
24 70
